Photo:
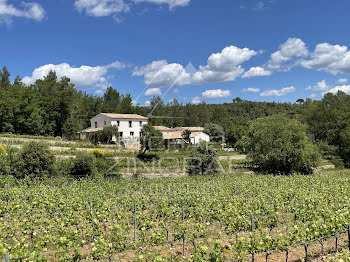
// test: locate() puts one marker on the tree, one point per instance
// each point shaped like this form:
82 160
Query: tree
4 76
202 161
108 133
35 160
111 99
344 148
71 128
126 105
84 165
186 135
278 144
216 132
300 101
151 139
35 122
104 136
235 130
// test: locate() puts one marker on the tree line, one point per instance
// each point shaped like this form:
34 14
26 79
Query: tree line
54 107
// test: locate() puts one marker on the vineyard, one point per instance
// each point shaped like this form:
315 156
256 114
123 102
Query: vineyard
233 217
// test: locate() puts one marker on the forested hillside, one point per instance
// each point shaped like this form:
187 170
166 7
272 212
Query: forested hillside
54 107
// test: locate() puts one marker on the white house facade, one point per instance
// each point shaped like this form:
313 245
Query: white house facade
174 135
129 125
197 137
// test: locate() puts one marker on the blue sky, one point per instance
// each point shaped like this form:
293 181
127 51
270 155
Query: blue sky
192 50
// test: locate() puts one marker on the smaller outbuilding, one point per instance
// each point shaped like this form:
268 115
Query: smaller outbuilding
175 137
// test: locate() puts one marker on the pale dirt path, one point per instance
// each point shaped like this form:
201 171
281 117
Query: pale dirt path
49 141
233 157
62 149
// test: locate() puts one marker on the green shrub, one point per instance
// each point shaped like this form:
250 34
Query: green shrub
338 163
107 167
279 145
344 148
202 161
35 160
5 167
147 157
2 150
84 165
64 166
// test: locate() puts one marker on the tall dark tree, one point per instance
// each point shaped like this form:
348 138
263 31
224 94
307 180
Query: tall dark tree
111 100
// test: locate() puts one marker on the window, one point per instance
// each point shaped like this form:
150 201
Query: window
120 134
105 123
130 123
96 125
118 123
140 123
131 133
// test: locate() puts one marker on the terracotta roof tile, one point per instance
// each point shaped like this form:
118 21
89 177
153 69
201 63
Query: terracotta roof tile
125 116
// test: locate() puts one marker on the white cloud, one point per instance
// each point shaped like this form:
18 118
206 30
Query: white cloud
196 100
147 103
342 80
282 60
221 67
279 92
229 58
312 96
161 74
251 90
333 59
28 10
206 75
99 8
84 76
320 86
216 93
256 71
325 88
259 5
171 3
224 66
343 88
153 92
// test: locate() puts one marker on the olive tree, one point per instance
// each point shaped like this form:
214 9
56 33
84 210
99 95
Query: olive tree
278 144
186 135
202 161
105 135
151 139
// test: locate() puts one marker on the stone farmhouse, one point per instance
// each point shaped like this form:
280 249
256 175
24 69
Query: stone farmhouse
130 126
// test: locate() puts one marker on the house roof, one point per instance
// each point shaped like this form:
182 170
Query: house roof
163 128
190 128
178 135
173 135
125 116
